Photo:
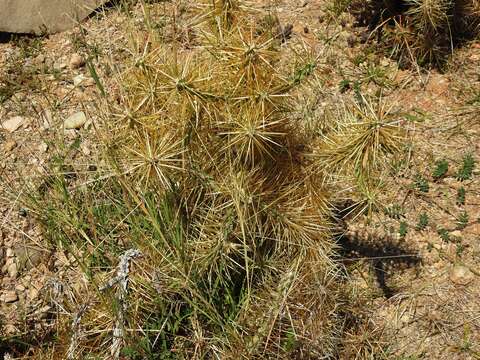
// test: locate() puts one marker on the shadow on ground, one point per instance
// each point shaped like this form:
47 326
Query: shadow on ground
385 257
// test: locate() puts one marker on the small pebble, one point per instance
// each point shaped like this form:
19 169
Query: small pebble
75 121
78 80
40 59
89 82
60 65
456 234
461 275
384 62
76 61
9 296
43 147
13 123
12 270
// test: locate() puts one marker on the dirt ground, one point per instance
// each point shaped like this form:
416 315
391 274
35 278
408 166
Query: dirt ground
422 287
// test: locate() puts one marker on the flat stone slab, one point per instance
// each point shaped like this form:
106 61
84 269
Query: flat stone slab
44 16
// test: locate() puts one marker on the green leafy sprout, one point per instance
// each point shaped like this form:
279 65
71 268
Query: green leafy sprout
466 171
423 221
441 169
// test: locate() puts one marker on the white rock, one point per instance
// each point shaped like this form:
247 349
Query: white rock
12 270
13 123
461 275
60 65
10 252
40 59
456 234
75 121
89 82
76 61
43 147
78 80
9 296
384 62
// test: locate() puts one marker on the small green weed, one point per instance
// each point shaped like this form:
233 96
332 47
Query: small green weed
461 196
466 171
403 229
441 169
18 74
417 116
423 221
462 220
290 341
303 72
359 59
344 85
6 92
421 184
29 46
444 234
459 249
377 75
395 211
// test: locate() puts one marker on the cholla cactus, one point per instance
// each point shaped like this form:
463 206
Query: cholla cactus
421 32
225 194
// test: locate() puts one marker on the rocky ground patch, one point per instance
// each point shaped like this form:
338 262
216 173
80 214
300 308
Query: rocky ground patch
412 259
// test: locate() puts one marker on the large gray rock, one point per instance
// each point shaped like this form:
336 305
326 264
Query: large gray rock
39 16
